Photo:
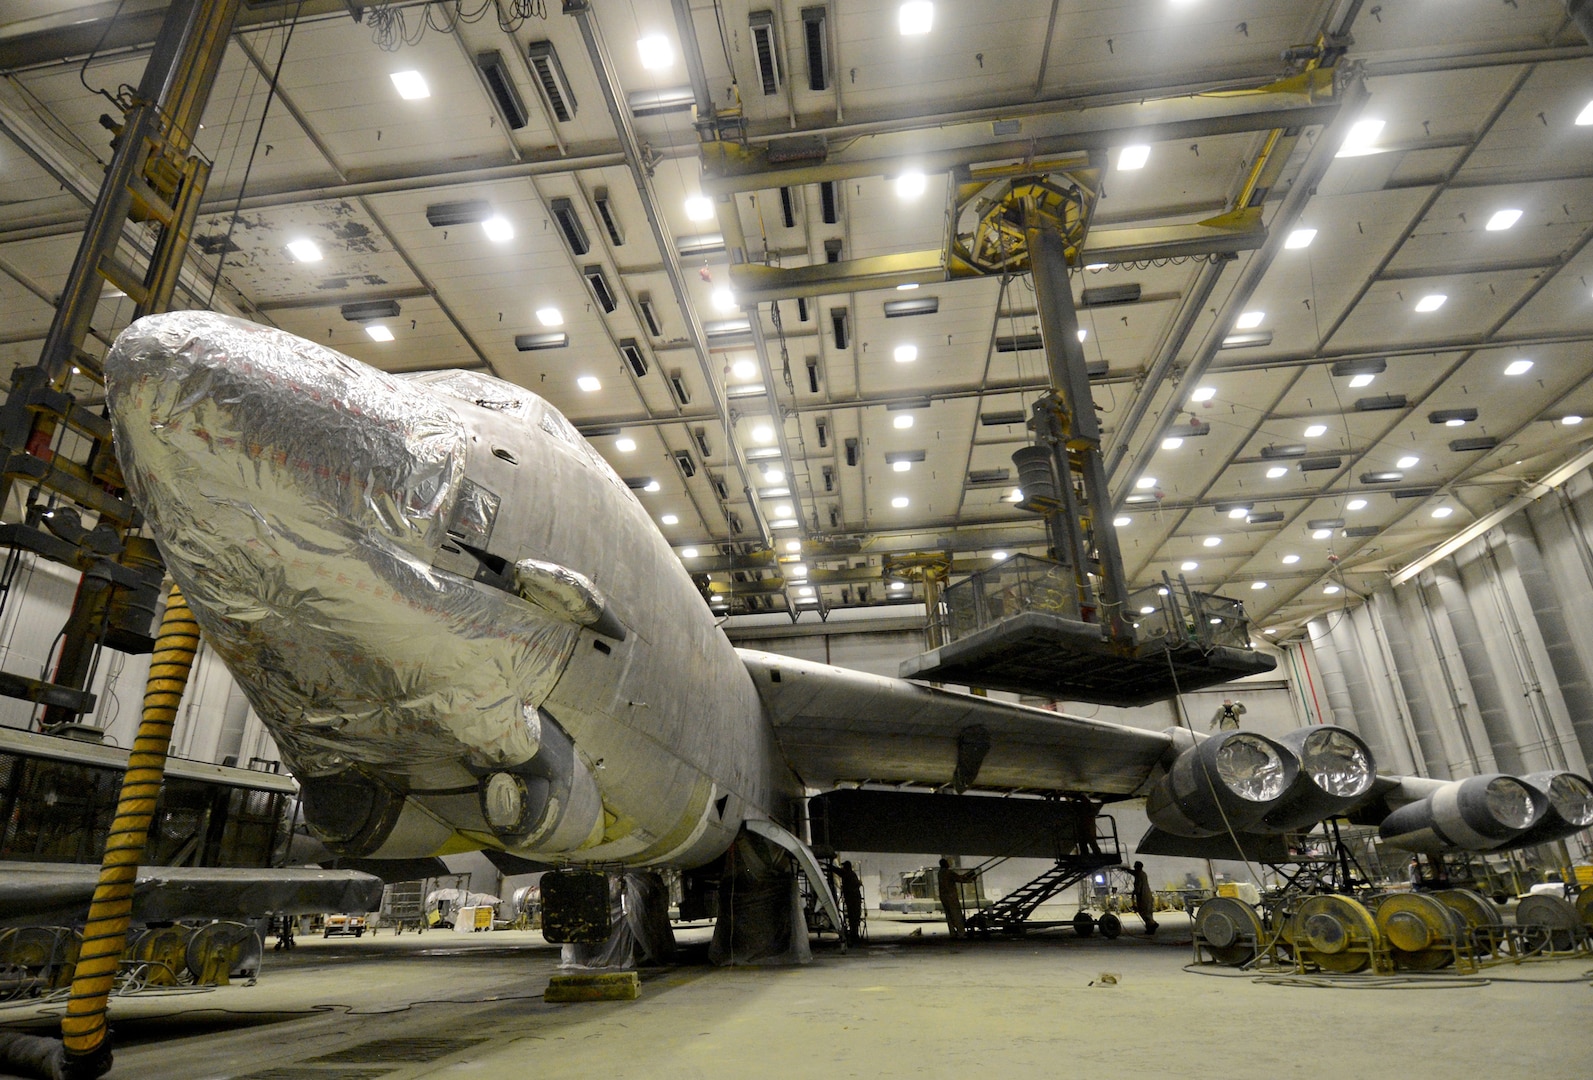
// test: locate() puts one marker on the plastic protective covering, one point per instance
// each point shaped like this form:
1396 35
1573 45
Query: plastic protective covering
300 498
640 933
760 908
1572 798
1510 802
1336 762
1250 768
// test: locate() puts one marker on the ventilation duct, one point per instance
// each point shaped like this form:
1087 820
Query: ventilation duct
683 462
765 50
787 208
605 214
649 310
544 60
1106 295
840 325
366 310
700 437
1380 403
601 290
924 305
816 44
678 388
829 205
447 215
1480 442
534 342
500 88
635 359
569 223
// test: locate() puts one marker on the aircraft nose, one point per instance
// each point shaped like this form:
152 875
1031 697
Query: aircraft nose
223 425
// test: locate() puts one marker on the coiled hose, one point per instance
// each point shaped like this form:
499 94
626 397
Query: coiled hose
83 1030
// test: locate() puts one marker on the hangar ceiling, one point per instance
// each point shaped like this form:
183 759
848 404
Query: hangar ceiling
1407 350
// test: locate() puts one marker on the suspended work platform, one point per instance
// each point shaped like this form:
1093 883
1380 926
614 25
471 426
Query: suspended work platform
1017 627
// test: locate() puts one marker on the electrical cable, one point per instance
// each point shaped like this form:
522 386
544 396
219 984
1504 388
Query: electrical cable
82 71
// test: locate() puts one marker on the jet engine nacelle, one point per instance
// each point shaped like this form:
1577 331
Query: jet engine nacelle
1480 813
1570 807
1240 781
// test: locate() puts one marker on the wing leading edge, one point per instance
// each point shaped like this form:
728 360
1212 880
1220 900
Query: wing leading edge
835 724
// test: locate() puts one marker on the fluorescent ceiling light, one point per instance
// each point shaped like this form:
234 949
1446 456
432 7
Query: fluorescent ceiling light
906 354
1443 511
550 316
900 502
304 250
1203 393
669 519
998 556
1239 513
773 476
1277 472
1410 461
1145 483
1360 381
1172 443
589 383
1454 421
796 571
898 586
1361 138
498 229
1321 534
1249 320
1571 420
699 208
1258 585
1330 590
411 85
656 52
743 369
805 591
1083 333
1355 504
793 546
1300 238
653 486
915 17
903 422
1132 157
1211 541
724 300
1585 117
1290 560
625 446
783 523
688 553
910 185
1502 220
901 466
1122 521
1518 367
908 286
763 433
1186 567
378 332
783 510
1148 609
1316 431
1431 302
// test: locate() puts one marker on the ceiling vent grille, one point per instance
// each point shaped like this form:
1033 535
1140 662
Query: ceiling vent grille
1480 442
829 202
840 324
787 208
644 301
598 281
765 50
569 223
988 477
678 388
1380 403
555 87
700 437
533 342
1320 464
500 87
634 357
815 40
605 214
683 462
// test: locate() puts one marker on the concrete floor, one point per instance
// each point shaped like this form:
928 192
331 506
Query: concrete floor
921 1005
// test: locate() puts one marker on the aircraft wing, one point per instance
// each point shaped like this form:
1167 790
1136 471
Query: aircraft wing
41 893
835 724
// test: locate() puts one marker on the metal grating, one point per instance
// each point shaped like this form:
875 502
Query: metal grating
402 1051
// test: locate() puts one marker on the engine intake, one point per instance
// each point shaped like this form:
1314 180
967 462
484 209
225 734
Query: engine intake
1481 813
1570 807
1225 783
1336 770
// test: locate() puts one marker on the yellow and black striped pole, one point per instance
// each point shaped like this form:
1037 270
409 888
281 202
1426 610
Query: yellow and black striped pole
83 1030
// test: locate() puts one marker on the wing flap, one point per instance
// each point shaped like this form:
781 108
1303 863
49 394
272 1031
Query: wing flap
835 725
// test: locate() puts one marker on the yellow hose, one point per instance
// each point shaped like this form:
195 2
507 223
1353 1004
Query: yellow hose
83 1028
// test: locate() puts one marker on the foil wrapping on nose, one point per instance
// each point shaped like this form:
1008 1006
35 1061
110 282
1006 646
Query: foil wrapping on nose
299 497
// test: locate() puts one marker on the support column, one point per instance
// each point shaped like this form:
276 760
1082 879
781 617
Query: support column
1479 668
1576 690
1408 675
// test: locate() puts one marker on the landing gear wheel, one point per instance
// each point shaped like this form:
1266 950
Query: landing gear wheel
1083 924
1109 925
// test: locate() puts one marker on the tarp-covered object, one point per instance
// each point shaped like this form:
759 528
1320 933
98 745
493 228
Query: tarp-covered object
639 932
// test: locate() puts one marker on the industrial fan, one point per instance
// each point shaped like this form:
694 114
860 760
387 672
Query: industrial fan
221 951
1230 930
1336 933
1423 934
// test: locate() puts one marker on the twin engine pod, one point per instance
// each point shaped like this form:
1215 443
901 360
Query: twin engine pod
1240 781
1493 812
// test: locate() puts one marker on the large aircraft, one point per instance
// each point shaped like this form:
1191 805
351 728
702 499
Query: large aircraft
465 632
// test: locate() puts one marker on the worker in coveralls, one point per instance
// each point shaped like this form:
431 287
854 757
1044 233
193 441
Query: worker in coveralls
951 897
1144 898
851 901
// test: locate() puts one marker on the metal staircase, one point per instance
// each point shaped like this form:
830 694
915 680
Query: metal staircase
1013 910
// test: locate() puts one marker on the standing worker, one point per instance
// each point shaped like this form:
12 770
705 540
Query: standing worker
1144 899
1227 715
951 897
851 901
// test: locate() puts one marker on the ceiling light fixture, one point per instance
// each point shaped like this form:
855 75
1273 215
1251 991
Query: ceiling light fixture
550 316
793 546
900 502
1300 238
1172 443
1145 483
625 446
1410 461
670 519
910 185
773 476
1258 585
763 433
304 250
1239 513
1122 521
915 17
1431 302
653 487
1330 590
1277 472
905 354
1132 157
998 556
699 208
903 421
1186 567
1203 393
783 510
1571 420
1355 504
656 52
1015 495
898 586
1249 320
723 299
1443 511
1211 541
688 553
1585 117
1290 560
1316 431
499 230
907 286
1321 534
589 383
743 369
1083 333
1361 380
1518 367
1361 139
411 85
1502 220
901 466
378 332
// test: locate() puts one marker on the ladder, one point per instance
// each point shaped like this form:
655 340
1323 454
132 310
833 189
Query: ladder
1013 910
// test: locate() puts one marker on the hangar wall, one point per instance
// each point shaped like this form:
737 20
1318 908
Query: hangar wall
1481 662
